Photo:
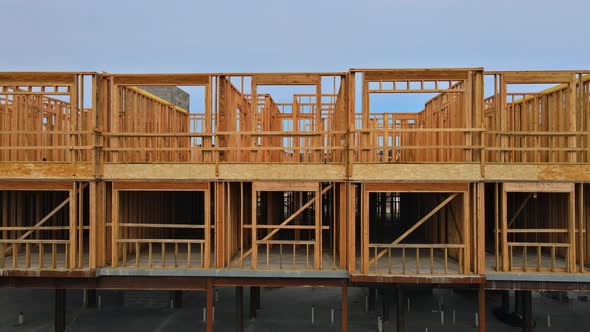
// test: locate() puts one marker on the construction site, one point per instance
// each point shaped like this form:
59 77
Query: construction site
383 179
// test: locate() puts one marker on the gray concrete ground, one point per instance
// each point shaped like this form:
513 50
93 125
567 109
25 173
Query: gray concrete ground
284 309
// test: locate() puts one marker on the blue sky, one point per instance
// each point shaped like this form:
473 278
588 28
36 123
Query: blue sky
304 35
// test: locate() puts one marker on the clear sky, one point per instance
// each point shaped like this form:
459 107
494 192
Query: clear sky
302 35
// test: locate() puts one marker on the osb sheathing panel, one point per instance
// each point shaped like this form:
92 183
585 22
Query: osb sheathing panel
282 172
537 172
28 170
416 172
564 172
159 171
511 172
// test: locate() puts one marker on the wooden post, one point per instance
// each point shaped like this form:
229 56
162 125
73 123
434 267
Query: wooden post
73 220
581 219
115 228
351 225
207 235
101 236
504 230
220 226
93 211
317 260
4 224
254 233
572 232
480 234
342 225
318 120
571 118
80 227
350 89
482 307
364 230
466 233
497 208
503 117
468 108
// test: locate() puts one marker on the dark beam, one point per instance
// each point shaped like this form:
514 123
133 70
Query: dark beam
527 311
252 303
372 292
240 309
257 298
401 312
91 298
506 301
518 301
386 303
344 300
176 298
209 308
60 310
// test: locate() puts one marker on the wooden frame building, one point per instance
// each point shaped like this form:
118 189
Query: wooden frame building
296 179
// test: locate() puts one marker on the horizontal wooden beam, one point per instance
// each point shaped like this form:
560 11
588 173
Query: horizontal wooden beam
161 79
281 79
36 185
539 187
440 187
41 78
161 185
417 74
537 77
285 186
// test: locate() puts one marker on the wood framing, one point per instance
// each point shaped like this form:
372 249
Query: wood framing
297 173
143 233
537 228
372 253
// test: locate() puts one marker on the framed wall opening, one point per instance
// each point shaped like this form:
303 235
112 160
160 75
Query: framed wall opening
533 228
534 117
416 229
45 228
415 116
283 118
157 118
158 227
292 226
47 120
